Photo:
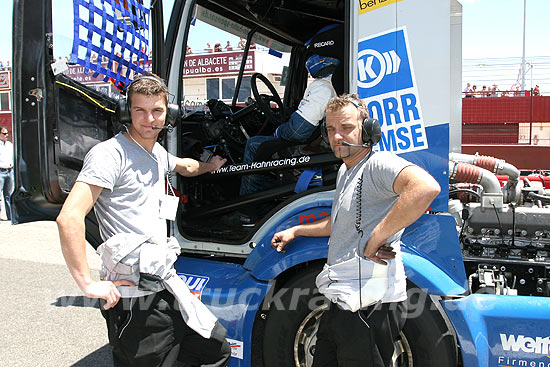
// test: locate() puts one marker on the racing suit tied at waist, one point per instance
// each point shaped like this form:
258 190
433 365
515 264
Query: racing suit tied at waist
149 263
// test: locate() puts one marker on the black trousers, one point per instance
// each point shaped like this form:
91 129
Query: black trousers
344 340
150 331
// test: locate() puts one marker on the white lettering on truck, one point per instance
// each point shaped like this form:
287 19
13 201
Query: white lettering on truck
385 81
323 44
526 344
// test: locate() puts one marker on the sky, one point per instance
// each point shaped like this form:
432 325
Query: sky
494 28
491 29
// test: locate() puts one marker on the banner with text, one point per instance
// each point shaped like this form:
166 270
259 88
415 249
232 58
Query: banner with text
216 63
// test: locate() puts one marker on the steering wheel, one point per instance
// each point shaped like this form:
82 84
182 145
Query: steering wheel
264 100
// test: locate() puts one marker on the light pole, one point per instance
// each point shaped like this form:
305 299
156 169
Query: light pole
523 57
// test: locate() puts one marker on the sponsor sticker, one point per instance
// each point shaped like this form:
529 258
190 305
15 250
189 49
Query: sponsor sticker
236 348
526 344
369 5
196 283
519 350
311 217
387 85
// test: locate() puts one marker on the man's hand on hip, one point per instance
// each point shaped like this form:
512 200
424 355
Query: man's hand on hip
378 251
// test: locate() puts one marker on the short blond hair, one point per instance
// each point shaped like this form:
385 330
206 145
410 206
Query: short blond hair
339 102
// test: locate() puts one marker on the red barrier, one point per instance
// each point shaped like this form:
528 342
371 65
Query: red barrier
506 109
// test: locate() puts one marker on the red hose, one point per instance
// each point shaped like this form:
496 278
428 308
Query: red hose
488 163
465 172
544 180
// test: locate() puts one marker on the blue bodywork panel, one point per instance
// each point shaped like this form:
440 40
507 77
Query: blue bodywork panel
232 294
432 255
436 161
265 263
501 330
235 292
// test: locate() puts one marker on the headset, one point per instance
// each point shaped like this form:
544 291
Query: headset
172 110
371 134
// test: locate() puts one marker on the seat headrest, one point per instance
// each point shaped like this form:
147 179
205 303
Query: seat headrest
328 41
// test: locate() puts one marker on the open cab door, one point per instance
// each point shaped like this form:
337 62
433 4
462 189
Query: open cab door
66 96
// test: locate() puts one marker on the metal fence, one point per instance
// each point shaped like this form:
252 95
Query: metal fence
520 120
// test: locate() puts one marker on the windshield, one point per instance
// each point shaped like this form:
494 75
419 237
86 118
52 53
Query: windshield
214 54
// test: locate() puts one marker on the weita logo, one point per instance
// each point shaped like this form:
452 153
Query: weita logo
526 344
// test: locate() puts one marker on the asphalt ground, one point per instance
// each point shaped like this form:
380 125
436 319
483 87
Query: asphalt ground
45 320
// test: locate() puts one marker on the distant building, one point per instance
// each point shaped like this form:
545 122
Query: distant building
207 76
6 100
213 76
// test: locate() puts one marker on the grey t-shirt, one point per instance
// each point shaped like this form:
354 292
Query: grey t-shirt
377 198
133 182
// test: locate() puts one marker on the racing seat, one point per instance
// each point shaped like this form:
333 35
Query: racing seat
329 41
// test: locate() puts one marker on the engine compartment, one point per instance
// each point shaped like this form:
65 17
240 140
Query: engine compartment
504 225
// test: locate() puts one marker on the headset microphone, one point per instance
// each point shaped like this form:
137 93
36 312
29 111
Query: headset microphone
170 128
366 145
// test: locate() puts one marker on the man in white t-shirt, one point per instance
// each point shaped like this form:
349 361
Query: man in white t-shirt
467 91
123 179
378 194
6 169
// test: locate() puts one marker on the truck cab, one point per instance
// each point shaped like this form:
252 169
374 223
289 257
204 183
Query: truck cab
401 57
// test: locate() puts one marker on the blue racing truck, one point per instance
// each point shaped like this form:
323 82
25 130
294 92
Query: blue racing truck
477 262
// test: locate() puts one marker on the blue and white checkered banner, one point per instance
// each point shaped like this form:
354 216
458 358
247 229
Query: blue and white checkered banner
111 38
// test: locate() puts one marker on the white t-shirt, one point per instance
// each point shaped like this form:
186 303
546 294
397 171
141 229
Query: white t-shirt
6 154
377 199
133 182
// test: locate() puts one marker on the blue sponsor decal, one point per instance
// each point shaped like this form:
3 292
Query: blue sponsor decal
387 85
383 64
195 283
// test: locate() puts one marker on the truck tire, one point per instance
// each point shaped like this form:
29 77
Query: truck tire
430 342
292 323
292 329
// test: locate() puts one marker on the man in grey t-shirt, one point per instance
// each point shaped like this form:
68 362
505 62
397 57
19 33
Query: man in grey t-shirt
123 178
378 194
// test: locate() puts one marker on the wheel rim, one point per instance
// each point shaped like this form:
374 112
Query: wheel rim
402 355
306 338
